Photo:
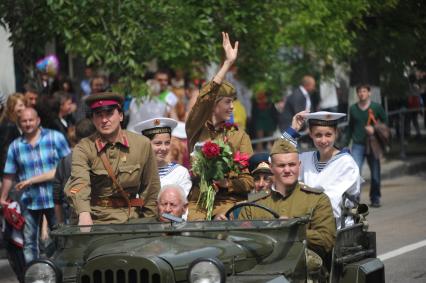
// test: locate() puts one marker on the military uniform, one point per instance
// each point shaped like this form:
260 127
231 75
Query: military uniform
301 201
199 127
132 161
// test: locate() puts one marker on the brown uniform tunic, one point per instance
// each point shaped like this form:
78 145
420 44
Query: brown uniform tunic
135 166
200 128
302 201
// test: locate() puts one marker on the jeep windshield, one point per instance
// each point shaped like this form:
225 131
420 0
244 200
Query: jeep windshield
170 227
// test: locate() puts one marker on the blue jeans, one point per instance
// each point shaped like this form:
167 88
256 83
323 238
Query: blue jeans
33 220
358 153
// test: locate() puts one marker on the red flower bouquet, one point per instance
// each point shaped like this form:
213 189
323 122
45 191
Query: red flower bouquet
212 162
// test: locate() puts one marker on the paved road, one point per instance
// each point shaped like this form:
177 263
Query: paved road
399 223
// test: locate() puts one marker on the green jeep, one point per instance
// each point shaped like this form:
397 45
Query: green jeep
202 252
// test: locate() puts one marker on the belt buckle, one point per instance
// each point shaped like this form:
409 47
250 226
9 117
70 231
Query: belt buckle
105 202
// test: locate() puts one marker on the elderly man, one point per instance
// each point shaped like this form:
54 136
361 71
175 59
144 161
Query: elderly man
114 174
171 200
291 198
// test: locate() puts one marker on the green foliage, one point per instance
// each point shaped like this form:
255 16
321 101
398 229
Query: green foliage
30 26
395 34
279 40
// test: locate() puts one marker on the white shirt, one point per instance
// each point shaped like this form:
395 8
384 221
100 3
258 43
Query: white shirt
328 94
308 98
148 108
174 173
340 175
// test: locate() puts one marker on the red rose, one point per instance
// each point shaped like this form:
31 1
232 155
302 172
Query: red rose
210 150
241 159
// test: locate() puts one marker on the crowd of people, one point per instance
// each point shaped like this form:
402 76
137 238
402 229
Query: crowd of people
99 157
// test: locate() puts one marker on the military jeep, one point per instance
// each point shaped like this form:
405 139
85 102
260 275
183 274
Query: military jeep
202 252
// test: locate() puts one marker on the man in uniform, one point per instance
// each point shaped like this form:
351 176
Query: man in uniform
114 174
291 198
261 171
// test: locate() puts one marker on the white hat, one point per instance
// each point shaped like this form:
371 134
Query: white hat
179 132
155 126
324 118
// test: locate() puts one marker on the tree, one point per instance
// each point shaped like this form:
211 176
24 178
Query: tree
278 39
395 37
29 23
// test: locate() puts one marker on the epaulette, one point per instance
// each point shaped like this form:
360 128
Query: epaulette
306 188
253 197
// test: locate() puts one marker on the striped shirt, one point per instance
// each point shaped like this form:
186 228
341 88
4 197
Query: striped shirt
163 171
27 161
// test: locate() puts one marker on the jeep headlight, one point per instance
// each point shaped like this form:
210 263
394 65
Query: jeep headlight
206 270
42 271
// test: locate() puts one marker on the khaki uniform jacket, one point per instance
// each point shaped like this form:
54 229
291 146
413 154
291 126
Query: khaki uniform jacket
200 128
302 201
135 166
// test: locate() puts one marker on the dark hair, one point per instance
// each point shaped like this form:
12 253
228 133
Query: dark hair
163 71
84 128
58 99
360 86
96 77
30 87
68 81
151 135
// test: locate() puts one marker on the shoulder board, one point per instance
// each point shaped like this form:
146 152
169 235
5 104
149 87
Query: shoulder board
306 188
253 197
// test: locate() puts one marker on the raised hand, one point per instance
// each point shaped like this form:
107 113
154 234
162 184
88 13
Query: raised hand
298 120
231 53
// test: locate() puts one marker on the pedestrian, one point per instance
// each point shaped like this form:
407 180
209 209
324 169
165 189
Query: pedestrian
161 103
9 128
32 159
298 101
264 118
114 174
359 131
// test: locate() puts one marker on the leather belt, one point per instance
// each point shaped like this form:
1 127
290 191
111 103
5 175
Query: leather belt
117 202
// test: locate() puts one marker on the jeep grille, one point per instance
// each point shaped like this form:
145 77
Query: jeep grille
110 269
121 275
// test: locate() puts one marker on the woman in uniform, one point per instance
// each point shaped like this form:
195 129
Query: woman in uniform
206 121
327 168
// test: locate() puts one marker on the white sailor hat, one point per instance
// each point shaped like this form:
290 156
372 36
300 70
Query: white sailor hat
324 118
179 132
155 126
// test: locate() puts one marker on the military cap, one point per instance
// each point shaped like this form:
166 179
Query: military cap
259 163
226 90
104 101
324 118
155 126
283 146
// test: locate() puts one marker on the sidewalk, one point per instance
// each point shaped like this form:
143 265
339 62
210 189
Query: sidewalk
393 166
